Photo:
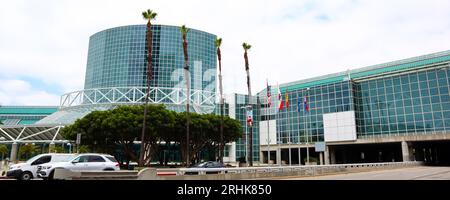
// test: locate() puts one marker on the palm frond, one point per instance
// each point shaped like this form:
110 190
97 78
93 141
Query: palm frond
246 46
218 42
184 30
149 14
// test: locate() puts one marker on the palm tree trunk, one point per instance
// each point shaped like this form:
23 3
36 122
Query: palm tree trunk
149 77
250 149
221 145
188 94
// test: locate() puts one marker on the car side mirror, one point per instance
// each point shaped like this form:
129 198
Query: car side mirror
74 162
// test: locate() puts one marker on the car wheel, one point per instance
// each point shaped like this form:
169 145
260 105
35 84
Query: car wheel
25 176
51 175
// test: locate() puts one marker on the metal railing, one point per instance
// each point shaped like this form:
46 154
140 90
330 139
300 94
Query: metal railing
306 169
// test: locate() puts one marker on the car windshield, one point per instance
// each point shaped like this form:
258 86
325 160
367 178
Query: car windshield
112 159
200 164
62 158
33 158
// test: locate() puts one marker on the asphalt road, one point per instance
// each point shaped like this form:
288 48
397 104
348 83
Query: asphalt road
414 173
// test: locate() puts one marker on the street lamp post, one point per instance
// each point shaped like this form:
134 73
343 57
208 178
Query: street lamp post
70 147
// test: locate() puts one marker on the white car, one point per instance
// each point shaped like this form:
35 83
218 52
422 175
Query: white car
81 162
28 169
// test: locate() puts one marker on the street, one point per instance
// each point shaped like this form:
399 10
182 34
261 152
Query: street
414 173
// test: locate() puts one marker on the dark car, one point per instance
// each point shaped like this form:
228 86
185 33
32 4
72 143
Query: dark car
208 164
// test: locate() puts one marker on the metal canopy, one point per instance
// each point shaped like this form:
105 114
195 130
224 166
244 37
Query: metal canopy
31 134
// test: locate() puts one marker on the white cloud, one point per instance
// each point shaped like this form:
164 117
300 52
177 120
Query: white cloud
291 39
18 92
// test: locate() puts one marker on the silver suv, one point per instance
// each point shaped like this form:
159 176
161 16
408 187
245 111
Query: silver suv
80 162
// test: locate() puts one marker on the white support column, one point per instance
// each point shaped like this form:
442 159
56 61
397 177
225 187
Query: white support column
405 152
13 156
278 156
327 155
261 156
321 158
51 146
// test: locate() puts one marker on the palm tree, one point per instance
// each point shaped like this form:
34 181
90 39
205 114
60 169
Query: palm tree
218 42
148 15
184 30
247 69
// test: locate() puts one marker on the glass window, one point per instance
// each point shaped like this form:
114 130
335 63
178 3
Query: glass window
42 160
396 81
431 75
414 86
442 82
445 105
81 159
112 159
413 78
432 83
437 115
404 79
407 102
435 99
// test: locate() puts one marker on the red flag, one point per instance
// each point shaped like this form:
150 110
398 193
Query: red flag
280 106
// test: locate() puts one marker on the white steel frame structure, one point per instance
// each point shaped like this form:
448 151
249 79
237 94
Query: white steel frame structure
202 101
31 134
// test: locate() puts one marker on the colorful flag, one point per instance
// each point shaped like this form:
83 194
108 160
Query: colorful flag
250 117
269 101
305 102
299 103
287 98
280 106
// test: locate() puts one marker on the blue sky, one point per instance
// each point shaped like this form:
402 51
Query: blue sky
43 50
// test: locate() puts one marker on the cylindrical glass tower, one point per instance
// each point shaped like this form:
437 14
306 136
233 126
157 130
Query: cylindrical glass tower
117 58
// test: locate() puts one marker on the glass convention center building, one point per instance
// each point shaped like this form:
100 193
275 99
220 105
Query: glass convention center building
396 111
116 75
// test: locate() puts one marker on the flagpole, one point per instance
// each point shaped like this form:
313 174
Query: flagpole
268 123
298 128
289 126
268 136
279 135
279 132
307 127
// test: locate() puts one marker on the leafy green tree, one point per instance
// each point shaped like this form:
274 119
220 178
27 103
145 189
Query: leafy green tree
27 150
57 149
84 149
3 150
103 131
205 130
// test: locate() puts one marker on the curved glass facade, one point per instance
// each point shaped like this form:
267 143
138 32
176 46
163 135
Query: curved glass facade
117 58
408 97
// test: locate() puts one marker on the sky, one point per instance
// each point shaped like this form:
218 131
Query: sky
44 44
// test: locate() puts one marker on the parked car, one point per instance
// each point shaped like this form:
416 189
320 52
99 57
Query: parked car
81 162
208 164
28 169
